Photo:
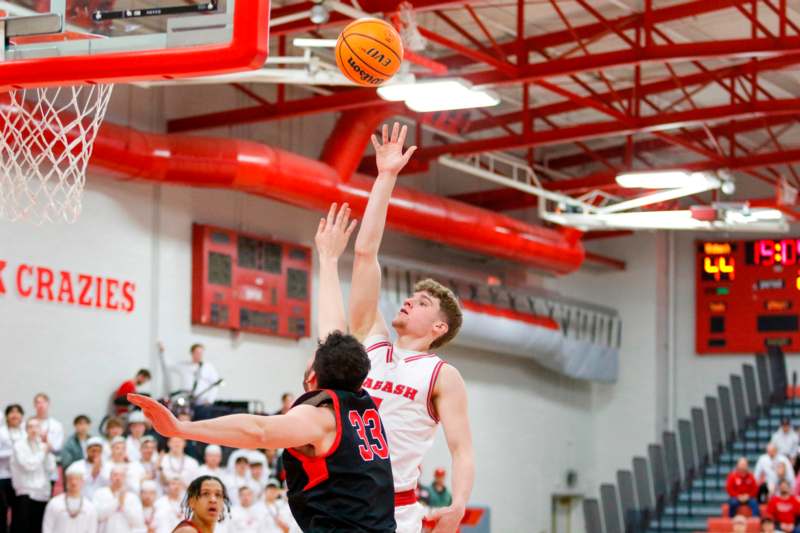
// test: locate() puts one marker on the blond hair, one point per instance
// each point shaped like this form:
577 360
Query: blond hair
448 306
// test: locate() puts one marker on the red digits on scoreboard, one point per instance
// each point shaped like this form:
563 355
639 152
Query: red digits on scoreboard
766 253
788 252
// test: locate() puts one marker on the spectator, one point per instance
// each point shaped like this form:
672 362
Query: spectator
741 486
134 472
784 508
121 403
765 472
274 463
786 440
118 510
32 465
246 517
148 495
149 458
114 428
191 447
51 429
287 400
211 466
739 524
177 464
781 474
97 470
71 512
240 474
10 434
136 430
197 377
439 496
767 525
168 507
75 446
277 516
258 473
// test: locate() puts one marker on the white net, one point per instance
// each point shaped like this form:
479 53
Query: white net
47 139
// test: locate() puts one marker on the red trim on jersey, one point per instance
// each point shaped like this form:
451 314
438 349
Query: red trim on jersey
378 345
407 497
418 356
434 375
187 523
316 468
390 353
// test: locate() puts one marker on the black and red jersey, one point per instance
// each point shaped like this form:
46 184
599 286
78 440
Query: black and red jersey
349 487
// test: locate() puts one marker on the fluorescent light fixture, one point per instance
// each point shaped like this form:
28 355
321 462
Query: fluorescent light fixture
700 183
440 95
314 43
668 179
754 215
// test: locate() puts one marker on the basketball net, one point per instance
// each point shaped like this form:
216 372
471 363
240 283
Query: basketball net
47 139
407 26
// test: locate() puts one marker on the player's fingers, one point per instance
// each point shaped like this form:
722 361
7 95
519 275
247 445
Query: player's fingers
321 226
375 142
385 132
353 224
408 154
340 215
395 131
401 140
346 217
331 215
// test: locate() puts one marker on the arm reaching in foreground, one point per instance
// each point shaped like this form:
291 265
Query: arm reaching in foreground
365 318
301 426
332 237
450 400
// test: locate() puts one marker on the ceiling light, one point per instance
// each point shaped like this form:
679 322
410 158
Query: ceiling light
319 14
314 43
670 179
440 95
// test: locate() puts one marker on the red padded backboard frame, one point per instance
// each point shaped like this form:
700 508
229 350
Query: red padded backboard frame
247 50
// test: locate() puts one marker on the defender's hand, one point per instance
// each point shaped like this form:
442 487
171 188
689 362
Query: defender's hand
389 155
334 233
164 422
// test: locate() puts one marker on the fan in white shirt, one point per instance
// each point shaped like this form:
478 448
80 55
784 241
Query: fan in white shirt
277 515
118 510
97 471
239 475
197 377
211 467
114 428
148 496
136 429
71 512
766 467
177 464
32 465
168 507
786 440
246 517
149 459
52 430
134 471
258 473
10 433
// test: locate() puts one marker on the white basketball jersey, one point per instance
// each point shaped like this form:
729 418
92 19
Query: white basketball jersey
401 382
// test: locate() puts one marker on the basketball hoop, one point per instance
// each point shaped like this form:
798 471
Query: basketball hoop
47 139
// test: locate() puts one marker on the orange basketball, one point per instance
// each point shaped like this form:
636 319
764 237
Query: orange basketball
369 52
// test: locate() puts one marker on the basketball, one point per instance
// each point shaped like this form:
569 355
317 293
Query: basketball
369 52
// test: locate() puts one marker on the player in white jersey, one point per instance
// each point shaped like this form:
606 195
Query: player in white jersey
416 389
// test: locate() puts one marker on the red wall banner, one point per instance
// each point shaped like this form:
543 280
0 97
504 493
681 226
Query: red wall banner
36 282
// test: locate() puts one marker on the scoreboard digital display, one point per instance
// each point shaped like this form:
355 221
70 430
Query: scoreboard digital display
248 283
747 296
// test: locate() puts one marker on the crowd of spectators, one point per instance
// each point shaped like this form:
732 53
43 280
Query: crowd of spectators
129 479
772 483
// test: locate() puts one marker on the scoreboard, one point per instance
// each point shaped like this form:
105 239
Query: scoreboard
747 295
250 283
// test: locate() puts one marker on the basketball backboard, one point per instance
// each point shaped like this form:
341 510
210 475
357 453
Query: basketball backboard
62 42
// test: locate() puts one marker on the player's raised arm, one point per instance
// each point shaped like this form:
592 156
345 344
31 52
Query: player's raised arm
332 237
301 426
450 401
365 318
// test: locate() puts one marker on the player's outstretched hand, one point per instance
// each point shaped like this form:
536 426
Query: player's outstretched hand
334 232
389 153
447 519
164 422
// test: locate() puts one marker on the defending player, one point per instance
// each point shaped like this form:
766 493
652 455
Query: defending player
414 389
336 459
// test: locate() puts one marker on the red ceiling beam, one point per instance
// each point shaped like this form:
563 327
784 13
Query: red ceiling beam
656 87
729 49
628 22
618 128
340 101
